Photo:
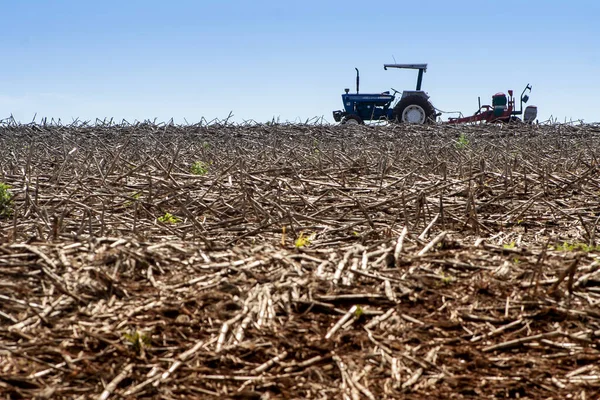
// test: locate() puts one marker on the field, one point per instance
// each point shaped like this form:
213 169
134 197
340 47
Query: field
299 261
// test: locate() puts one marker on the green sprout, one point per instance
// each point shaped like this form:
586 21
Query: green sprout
135 196
169 219
199 168
446 279
304 240
509 246
358 312
462 142
568 247
316 146
6 202
138 340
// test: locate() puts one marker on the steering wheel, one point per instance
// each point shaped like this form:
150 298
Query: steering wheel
395 91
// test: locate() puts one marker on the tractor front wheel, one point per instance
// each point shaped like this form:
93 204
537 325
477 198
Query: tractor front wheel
414 109
352 120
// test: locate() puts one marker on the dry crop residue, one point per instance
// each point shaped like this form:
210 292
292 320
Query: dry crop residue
300 261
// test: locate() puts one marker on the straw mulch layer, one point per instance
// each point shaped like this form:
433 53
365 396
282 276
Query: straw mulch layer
299 261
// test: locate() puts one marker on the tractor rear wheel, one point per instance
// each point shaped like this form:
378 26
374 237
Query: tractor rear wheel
414 109
352 120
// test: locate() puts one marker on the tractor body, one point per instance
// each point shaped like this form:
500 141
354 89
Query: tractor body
365 106
413 106
503 109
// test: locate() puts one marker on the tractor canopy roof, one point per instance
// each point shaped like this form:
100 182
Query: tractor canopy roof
406 66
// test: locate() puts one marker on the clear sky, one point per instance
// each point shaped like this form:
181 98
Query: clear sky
151 59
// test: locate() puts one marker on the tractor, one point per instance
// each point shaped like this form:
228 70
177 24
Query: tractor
503 109
413 106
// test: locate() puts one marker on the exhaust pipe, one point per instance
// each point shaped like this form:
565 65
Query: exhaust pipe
357 80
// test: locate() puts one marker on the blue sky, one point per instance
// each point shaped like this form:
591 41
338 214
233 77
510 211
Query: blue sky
262 59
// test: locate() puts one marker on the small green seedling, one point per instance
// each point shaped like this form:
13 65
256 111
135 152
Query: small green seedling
135 196
567 247
199 168
316 146
6 202
462 142
358 312
509 246
169 219
304 240
446 279
138 340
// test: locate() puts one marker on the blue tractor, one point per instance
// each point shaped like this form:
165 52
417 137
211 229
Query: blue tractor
413 107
